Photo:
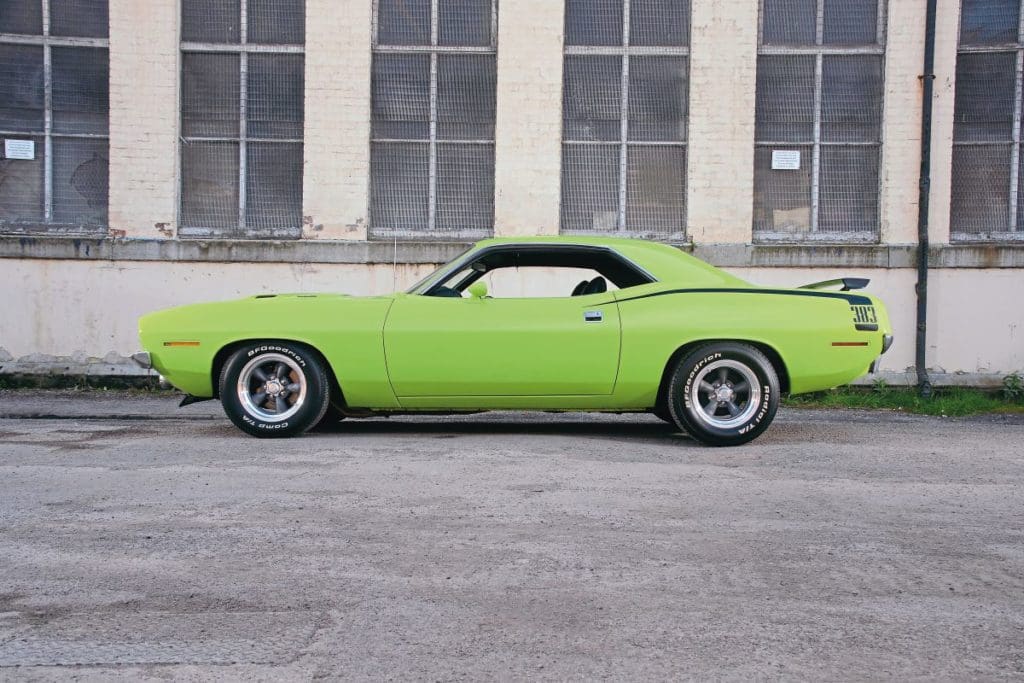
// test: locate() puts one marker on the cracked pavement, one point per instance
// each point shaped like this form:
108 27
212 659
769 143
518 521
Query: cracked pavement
139 540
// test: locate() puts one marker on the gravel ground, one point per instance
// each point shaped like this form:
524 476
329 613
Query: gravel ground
138 540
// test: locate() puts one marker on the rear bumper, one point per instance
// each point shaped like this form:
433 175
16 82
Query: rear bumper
886 344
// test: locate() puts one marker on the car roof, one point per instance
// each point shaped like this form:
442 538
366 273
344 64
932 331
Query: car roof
665 262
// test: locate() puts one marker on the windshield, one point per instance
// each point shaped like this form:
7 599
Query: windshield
436 272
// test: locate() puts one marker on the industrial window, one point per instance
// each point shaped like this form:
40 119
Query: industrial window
242 88
432 134
818 119
624 117
54 106
987 193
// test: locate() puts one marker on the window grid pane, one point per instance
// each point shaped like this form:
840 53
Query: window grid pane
987 201
399 185
63 187
590 188
782 198
980 193
21 189
241 167
818 120
989 22
22 16
624 118
433 116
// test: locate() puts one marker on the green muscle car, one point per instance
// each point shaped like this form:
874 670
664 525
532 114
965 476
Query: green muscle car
647 328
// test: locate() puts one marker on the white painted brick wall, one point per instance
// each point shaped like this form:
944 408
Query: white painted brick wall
720 159
143 117
337 129
527 174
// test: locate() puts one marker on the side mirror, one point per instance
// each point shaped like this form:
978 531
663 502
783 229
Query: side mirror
478 290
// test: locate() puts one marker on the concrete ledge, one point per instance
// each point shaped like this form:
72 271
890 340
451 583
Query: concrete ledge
227 251
425 252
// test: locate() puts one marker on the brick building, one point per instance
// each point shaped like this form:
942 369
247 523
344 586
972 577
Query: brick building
173 151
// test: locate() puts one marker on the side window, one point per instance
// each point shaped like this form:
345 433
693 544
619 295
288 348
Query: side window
538 282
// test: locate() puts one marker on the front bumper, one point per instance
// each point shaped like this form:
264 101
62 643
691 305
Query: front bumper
143 359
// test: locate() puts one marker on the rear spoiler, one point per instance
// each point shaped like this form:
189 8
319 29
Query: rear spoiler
848 283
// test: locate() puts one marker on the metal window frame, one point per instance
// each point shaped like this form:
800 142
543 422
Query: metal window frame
625 51
243 48
1014 228
47 42
434 49
819 50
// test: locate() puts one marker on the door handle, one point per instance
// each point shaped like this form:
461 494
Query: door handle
593 316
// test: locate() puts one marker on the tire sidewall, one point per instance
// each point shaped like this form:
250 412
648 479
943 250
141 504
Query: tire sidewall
686 373
308 415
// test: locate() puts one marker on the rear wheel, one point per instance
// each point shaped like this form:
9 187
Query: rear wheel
274 389
724 393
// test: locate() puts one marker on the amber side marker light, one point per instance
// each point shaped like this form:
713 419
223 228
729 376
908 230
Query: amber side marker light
862 343
181 343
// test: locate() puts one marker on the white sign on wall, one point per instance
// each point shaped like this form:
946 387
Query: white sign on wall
785 160
19 149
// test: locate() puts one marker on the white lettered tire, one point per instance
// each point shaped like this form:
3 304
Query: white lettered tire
273 389
724 393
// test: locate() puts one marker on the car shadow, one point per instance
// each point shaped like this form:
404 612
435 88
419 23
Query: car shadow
650 431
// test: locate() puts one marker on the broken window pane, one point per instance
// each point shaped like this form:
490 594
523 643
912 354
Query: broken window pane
86 18
989 22
851 98
785 98
590 188
21 82
80 176
592 101
21 186
657 98
465 97
209 187
210 21
850 22
789 22
983 109
593 22
273 188
401 96
659 22
275 96
210 93
81 91
782 198
656 189
981 189
276 22
403 22
399 186
848 197
465 188
464 22
22 16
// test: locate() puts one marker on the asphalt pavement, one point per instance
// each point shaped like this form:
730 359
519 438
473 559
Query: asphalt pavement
143 541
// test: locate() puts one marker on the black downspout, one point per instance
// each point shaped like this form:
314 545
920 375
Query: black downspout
924 191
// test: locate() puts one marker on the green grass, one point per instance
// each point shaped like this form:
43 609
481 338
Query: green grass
953 401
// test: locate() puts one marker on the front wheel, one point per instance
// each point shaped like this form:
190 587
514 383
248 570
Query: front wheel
724 393
274 389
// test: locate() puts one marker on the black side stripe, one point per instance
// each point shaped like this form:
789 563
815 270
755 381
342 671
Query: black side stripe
852 299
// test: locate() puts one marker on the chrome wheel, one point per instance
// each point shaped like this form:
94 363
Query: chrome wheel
725 394
272 387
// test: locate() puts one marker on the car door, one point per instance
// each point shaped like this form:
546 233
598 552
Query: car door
437 346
